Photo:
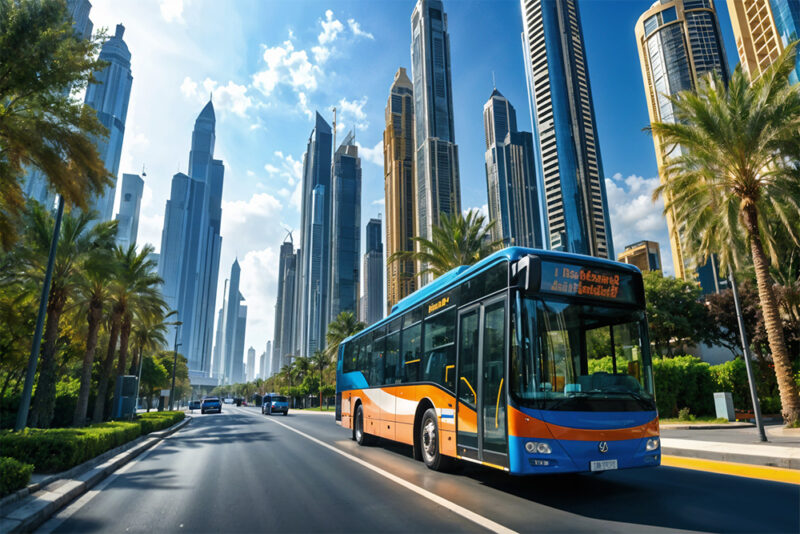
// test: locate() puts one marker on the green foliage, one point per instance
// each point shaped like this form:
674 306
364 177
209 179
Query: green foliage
732 377
14 475
155 421
685 415
681 382
601 365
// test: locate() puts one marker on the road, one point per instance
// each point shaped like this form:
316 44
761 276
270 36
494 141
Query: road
240 471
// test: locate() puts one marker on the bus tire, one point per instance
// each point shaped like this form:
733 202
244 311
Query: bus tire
361 437
429 443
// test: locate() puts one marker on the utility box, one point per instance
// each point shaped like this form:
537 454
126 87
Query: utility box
124 396
723 403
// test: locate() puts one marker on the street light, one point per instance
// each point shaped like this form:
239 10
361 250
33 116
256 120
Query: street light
174 363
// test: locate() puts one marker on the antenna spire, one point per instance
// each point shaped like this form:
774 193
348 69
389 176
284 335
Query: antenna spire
334 127
494 83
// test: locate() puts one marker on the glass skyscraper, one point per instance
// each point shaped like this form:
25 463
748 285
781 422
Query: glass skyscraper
565 134
510 176
436 153
285 319
373 274
191 242
679 42
230 331
345 230
130 202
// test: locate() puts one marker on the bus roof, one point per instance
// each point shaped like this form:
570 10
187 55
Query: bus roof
463 272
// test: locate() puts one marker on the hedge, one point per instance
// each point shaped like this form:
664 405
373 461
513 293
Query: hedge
57 449
13 475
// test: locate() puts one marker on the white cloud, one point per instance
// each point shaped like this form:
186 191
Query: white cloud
373 155
231 97
250 173
484 210
635 217
297 196
284 64
321 53
150 227
379 202
354 110
172 10
189 87
290 168
259 286
355 27
331 28
147 197
302 104
272 169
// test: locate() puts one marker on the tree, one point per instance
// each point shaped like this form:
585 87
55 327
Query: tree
674 312
344 326
43 64
320 361
457 240
735 179
148 334
722 315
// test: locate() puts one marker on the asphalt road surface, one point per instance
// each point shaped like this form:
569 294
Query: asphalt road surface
240 471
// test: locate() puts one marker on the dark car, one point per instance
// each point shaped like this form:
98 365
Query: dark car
194 404
211 404
274 403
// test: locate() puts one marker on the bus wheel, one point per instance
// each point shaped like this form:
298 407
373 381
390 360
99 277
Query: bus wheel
429 443
361 437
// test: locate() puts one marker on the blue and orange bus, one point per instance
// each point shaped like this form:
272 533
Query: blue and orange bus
529 361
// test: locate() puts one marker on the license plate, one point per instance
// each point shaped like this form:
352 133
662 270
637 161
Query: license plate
603 465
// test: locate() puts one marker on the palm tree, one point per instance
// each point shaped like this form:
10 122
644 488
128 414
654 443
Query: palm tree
344 326
320 361
79 239
149 334
735 178
457 240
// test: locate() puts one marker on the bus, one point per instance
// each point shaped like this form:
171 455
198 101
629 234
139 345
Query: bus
529 361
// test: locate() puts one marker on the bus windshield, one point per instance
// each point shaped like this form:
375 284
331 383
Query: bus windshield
579 357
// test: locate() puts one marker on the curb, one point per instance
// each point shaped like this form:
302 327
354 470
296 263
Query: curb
770 461
763 455
28 508
710 426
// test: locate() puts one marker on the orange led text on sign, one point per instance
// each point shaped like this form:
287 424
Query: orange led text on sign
585 282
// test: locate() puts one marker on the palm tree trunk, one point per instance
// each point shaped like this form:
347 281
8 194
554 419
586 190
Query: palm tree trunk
45 401
105 373
137 354
790 400
93 318
125 335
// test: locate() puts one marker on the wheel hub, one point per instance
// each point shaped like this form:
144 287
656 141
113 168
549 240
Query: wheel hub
429 439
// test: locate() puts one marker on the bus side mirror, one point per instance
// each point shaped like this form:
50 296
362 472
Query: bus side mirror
527 274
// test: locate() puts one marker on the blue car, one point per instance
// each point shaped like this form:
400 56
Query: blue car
211 404
274 403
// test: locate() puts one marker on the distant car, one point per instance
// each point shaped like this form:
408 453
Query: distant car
274 403
211 404
194 404
227 400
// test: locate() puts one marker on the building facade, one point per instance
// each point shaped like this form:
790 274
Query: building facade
565 133
510 176
399 183
238 376
646 255
250 369
285 317
345 230
110 97
373 275
226 368
679 42
438 186
190 245
130 203
763 29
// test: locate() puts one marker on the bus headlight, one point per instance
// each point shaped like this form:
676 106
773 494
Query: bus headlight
652 444
534 447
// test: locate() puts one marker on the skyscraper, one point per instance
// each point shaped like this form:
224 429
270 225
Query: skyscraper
190 245
265 366
398 168
285 318
565 135
237 374
315 240
679 41
130 202
510 176
345 230
230 355
438 188
251 364
762 29
373 274
109 97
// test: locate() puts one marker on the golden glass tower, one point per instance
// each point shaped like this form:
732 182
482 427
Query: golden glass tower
679 41
398 167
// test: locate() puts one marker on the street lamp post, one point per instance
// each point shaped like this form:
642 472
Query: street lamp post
174 364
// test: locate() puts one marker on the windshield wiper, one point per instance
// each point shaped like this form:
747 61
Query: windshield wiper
638 396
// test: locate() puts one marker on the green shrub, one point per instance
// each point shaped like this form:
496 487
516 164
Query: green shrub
685 415
732 377
770 405
14 475
683 382
154 421
601 365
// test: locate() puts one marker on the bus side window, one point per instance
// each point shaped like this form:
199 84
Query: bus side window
438 364
391 375
377 361
350 355
411 353
365 356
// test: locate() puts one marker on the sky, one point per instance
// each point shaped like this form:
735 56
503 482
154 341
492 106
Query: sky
271 64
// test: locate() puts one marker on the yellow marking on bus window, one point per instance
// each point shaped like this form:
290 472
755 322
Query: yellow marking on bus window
470 388
762 472
412 361
497 407
447 370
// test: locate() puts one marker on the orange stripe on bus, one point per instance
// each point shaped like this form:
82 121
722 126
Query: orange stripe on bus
525 426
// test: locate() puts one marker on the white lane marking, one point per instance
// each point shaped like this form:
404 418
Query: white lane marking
453 507
54 522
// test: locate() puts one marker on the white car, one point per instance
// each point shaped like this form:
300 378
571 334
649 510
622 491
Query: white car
227 400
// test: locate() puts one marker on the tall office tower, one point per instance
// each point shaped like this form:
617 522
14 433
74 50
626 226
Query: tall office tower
345 230
315 218
251 364
285 318
227 336
217 362
191 242
762 29
679 41
37 186
373 274
109 97
265 362
566 144
398 169
130 202
237 374
438 188
510 176
646 255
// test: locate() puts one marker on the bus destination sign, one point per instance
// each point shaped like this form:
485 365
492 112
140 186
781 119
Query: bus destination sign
586 281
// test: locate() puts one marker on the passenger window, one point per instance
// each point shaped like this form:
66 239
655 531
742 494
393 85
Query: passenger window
391 375
377 361
350 357
438 364
364 355
411 352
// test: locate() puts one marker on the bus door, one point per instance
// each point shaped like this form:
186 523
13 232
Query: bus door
481 409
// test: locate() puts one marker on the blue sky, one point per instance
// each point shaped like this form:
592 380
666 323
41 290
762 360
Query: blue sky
271 64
